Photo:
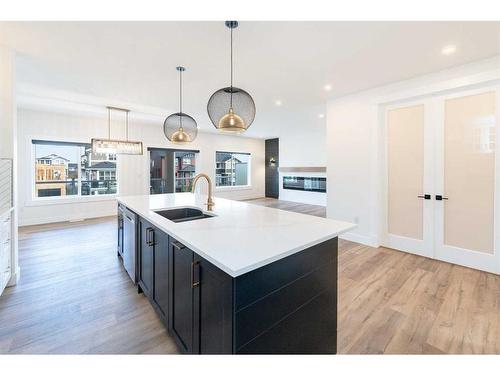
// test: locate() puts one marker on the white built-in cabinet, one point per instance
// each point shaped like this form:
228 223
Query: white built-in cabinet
5 250
5 222
441 178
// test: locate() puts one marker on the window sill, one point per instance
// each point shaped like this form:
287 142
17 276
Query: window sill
70 200
233 188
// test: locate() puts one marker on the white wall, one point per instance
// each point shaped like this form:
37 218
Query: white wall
353 150
303 144
133 171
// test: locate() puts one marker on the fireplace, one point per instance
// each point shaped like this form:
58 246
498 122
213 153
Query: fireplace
316 184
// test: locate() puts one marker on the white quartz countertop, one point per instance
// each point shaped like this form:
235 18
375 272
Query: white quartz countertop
241 237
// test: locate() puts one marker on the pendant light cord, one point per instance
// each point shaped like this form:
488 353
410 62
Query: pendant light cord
109 123
109 120
180 98
231 96
180 90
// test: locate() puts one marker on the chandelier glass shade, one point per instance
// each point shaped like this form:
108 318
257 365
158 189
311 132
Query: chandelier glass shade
116 146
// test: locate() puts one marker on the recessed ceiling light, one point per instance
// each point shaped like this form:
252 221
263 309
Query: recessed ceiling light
278 103
449 50
321 115
327 87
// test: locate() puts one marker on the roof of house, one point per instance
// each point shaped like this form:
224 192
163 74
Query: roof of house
223 157
52 157
187 168
187 154
102 165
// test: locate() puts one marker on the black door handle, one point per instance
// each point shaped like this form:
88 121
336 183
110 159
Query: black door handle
425 196
441 198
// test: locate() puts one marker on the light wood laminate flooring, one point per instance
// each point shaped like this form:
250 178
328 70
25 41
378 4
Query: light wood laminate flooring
74 297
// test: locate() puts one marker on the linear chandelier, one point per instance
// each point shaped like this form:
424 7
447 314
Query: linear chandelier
115 146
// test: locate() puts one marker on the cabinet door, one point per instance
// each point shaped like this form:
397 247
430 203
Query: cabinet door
213 304
181 295
161 250
146 257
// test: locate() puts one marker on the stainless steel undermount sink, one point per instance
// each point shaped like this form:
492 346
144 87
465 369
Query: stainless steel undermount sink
179 215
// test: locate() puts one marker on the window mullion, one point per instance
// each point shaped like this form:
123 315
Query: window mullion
79 175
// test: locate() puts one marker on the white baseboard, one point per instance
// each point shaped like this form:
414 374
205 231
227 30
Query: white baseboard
360 238
14 277
61 218
248 197
25 221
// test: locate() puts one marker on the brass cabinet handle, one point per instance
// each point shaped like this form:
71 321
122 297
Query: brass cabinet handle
194 283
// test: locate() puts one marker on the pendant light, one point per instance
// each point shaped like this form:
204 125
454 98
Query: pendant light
231 109
114 146
180 127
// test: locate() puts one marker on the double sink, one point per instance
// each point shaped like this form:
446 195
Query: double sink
180 215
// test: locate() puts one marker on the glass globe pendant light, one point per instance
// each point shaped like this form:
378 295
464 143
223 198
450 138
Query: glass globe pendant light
231 109
180 127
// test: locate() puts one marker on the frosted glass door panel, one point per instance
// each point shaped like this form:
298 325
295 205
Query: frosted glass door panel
469 172
405 148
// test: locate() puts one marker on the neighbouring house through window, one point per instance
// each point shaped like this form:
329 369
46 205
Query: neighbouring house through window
232 169
171 171
71 169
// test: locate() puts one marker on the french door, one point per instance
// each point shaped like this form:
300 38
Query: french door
409 179
442 178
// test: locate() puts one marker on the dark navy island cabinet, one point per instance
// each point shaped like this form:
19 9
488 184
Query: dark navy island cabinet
286 307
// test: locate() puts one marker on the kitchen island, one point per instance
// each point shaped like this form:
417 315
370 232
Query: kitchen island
240 278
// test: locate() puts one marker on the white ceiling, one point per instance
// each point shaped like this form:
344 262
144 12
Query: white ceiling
135 62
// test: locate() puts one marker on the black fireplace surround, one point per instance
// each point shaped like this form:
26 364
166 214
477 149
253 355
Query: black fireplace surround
316 184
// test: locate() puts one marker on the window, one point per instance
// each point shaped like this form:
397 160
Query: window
185 168
171 170
232 169
71 169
